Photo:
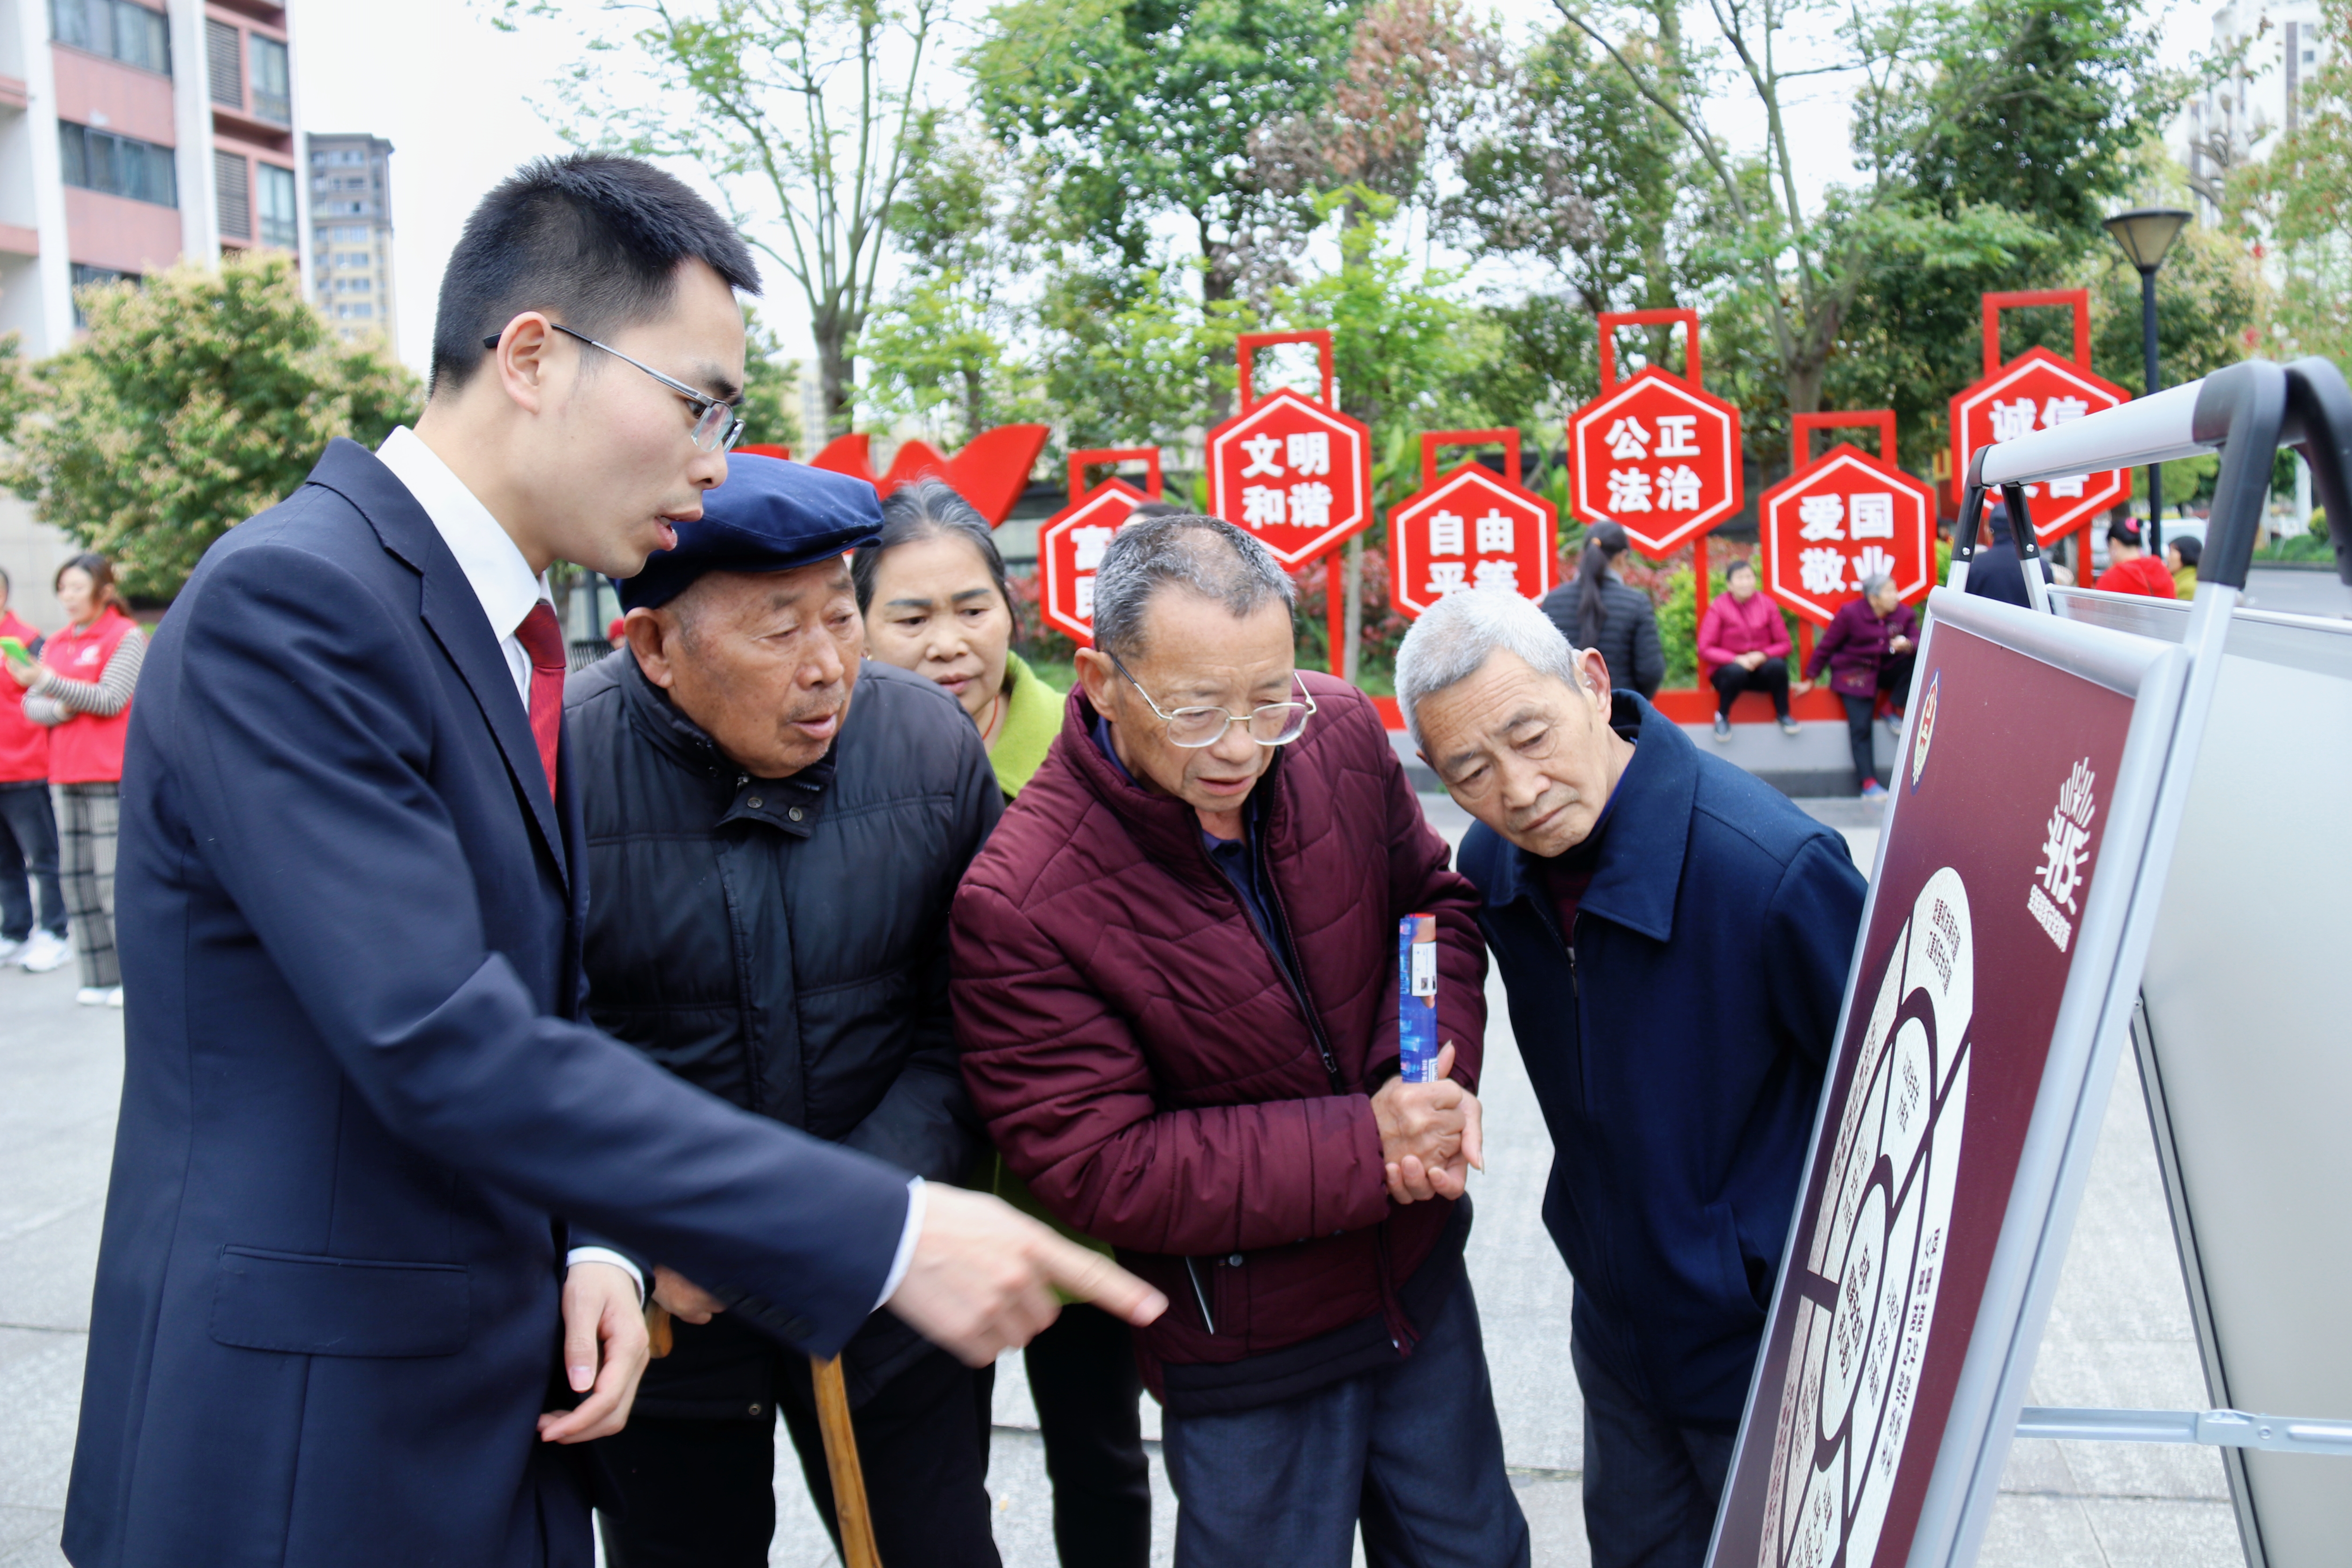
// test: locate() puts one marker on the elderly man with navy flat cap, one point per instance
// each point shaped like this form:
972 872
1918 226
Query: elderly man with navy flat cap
775 830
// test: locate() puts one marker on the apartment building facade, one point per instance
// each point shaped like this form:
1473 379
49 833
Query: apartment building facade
2278 46
351 235
132 132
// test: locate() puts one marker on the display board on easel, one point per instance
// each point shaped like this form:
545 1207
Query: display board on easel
2241 1041
2045 775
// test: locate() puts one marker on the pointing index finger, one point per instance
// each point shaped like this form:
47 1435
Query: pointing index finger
1090 1277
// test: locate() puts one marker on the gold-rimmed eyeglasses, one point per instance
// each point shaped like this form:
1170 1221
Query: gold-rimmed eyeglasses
1269 724
716 425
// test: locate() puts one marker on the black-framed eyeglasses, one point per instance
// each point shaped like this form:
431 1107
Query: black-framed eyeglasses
716 425
1270 724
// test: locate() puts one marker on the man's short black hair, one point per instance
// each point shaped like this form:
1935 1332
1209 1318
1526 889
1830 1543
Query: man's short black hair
594 240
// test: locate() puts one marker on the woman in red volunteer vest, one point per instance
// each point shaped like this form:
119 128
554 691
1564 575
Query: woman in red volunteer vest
32 903
81 691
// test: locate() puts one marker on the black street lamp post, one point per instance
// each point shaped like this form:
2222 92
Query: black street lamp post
2146 234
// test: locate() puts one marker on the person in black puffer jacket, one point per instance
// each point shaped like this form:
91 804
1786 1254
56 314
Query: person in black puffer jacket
1600 610
775 832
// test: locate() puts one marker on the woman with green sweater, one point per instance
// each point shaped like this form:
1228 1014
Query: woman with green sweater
935 602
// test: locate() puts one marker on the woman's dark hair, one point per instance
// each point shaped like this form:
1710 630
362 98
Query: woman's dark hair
1742 565
100 570
925 510
1603 542
2191 548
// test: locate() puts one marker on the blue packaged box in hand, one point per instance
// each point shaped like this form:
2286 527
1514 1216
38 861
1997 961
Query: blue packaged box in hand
1417 997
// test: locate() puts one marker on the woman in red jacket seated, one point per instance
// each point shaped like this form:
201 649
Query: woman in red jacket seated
81 691
1746 641
1867 650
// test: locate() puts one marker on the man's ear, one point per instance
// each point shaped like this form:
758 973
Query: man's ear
651 634
522 360
1593 673
1098 675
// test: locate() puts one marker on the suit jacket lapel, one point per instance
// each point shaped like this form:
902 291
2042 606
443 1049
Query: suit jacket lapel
448 606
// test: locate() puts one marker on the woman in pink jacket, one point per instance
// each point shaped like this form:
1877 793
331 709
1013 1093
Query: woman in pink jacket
1746 641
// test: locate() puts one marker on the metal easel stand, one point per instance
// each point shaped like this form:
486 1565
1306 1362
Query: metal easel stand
2308 406
2212 1428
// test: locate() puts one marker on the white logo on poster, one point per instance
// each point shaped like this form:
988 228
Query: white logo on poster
1925 733
2065 846
1864 1295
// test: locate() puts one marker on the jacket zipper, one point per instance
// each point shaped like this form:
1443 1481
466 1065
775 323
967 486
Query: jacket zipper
1200 1295
1297 985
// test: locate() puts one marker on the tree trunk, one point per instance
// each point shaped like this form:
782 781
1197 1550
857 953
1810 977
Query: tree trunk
974 396
836 375
1354 578
1657 261
1217 287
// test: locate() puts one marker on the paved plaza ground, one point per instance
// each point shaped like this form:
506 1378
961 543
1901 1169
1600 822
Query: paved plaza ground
2119 1336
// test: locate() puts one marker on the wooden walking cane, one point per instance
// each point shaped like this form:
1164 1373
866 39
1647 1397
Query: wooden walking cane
857 1549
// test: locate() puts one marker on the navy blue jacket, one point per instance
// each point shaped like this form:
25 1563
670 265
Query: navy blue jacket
355 1102
1676 1039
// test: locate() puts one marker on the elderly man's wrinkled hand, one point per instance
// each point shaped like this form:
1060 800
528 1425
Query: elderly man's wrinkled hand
1432 1135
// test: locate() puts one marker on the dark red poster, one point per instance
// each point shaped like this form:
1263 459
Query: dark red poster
1992 852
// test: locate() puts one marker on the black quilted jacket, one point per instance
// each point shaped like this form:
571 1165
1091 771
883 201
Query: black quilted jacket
783 943
1629 631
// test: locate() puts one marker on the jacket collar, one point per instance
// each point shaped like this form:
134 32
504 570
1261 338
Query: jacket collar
1639 869
790 806
1164 828
448 605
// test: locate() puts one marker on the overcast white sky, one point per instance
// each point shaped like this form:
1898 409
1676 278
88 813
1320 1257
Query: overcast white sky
452 95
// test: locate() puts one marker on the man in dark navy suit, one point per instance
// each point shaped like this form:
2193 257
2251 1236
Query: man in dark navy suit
381 1205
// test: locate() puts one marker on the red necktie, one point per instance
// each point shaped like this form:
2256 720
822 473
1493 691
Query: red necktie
543 640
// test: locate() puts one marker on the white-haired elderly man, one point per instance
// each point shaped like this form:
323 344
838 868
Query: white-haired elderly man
1673 937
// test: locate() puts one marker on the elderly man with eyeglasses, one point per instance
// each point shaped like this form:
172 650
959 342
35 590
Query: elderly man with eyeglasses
1175 984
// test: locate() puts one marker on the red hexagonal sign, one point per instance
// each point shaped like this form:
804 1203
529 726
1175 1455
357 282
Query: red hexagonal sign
1658 456
1470 530
1826 530
1070 544
2038 390
1296 474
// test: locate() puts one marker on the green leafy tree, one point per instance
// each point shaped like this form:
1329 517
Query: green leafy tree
197 399
1403 350
943 347
1569 167
771 409
2303 196
1126 355
2026 108
1140 109
806 115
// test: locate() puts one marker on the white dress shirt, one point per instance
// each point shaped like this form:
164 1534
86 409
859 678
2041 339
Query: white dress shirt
505 588
501 579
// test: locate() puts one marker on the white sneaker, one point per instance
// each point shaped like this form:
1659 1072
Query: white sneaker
9 950
43 952
114 997
91 995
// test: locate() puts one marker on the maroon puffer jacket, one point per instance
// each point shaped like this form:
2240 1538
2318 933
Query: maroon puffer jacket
1144 1064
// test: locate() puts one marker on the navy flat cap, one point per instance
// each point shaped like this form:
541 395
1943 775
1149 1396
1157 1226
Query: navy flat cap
770 516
